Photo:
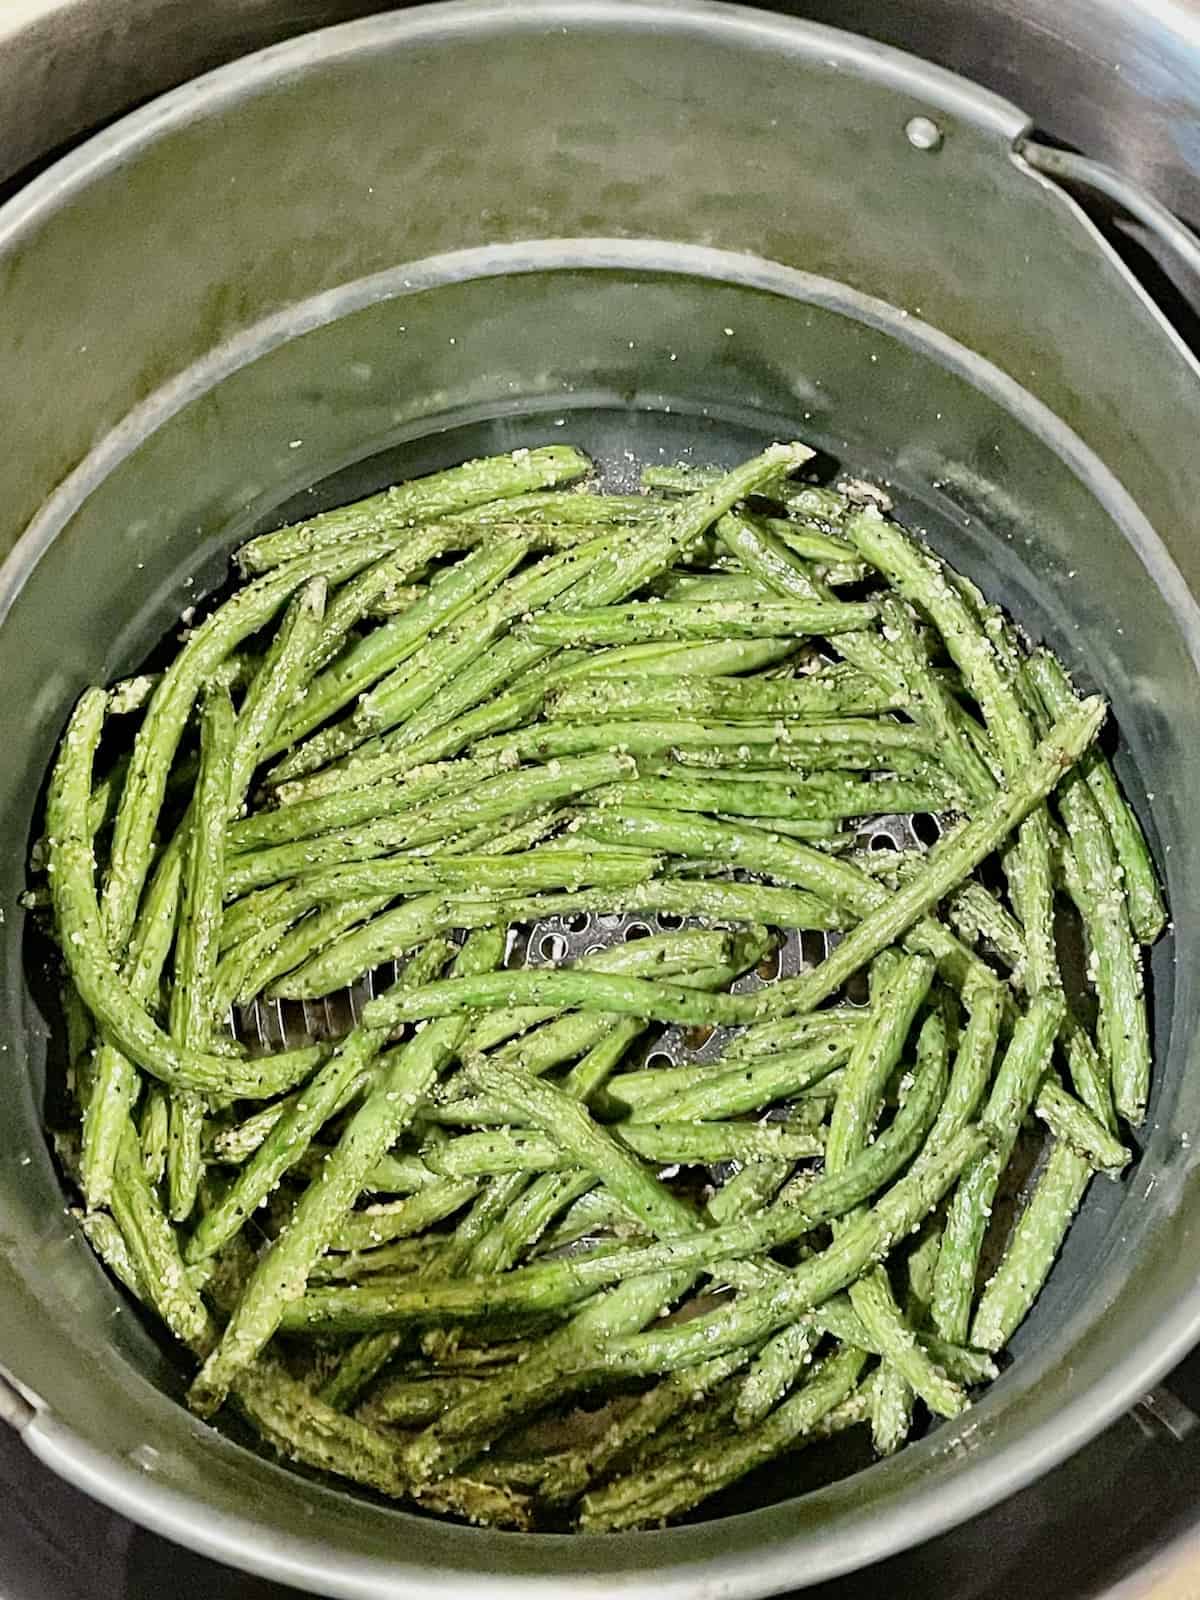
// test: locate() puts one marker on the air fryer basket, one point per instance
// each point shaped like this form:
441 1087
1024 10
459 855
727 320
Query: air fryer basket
657 231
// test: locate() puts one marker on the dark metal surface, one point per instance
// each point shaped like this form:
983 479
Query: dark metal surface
301 215
1119 79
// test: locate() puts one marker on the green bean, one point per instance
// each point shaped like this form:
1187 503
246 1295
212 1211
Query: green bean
651 698
345 809
505 836
764 802
236 979
409 1402
973 1060
766 550
235 1144
872 1298
395 510
893 1397
776 1369
696 1428
1093 882
570 1472
384 649
277 683
404 1218
876 1051
531 1213
302 1428
589 991
524 872
197 937
829 834
803 500
476 1111
862 742
442 659
107 995
493 798
1013 1091
114 1080
572 1129
923 581
627 1091
717 900
707 659
370 1354
282 1273
484 1155
1026 1263
1146 911
280 1407
153 1133
790 1033
107 1240
680 1485
397 1174
726 765
288 1138
564 508
401 1257
391 1174
597 1212
829 553
933 706
948 864
286 901
806 1288
350 895
662 953
527 1220
743 1087
978 915
1073 1124
451 589
1092 1082
477 1154
184 1156
151 1243
641 621
433 914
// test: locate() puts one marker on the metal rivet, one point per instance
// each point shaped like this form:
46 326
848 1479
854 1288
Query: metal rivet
923 133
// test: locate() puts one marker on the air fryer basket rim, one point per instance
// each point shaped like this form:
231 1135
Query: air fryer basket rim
242 1542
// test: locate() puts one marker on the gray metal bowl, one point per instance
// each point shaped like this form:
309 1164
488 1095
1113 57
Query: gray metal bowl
650 228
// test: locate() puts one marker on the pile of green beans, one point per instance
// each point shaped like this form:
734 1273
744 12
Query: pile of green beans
425 723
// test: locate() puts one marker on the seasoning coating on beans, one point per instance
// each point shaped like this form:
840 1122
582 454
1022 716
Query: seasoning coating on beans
404 1145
